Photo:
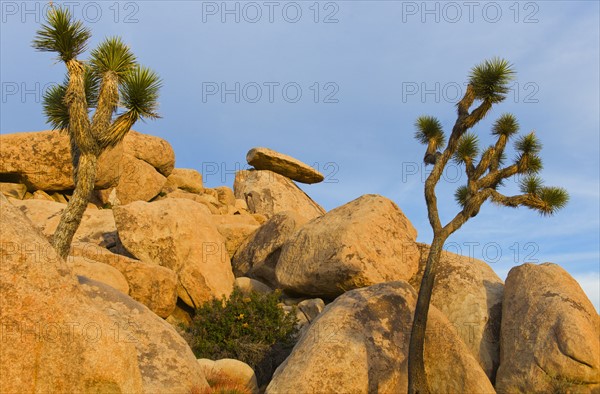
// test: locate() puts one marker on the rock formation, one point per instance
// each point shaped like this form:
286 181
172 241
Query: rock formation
267 159
63 335
155 243
359 344
268 193
550 336
366 241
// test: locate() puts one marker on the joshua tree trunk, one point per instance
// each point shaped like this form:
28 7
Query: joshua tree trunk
71 217
417 380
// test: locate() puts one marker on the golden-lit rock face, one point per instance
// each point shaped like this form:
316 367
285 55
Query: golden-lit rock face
359 344
550 333
63 335
366 241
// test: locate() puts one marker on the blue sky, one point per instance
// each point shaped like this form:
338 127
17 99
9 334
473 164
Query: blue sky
339 84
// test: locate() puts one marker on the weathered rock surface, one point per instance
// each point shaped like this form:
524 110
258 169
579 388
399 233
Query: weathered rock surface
151 284
224 195
99 272
14 190
235 229
311 308
166 361
139 181
469 293
269 193
267 159
249 285
42 161
257 256
359 344
97 225
229 375
550 338
366 241
178 234
41 195
213 206
61 337
186 179
153 150
179 317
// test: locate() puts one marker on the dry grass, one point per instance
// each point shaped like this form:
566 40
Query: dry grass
219 383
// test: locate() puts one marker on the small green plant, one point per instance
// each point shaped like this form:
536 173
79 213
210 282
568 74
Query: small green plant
251 328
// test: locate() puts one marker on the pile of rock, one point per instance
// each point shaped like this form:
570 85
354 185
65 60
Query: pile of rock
155 244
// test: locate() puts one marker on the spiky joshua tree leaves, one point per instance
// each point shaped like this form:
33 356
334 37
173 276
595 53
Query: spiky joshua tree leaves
486 171
111 85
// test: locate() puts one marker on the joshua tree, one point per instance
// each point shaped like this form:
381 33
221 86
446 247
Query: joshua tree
109 80
488 85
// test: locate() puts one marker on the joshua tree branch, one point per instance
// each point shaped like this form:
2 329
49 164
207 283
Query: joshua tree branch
484 163
107 104
498 150
495 177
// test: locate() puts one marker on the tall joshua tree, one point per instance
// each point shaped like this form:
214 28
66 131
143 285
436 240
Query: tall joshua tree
110 80
488 85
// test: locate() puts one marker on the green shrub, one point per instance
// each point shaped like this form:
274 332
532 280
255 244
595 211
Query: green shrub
250 328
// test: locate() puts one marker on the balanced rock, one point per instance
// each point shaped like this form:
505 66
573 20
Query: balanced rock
267 159
150 284
257 256
359 344
469 293
89 338
180 235
97 225
268 193
366 241
549 337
